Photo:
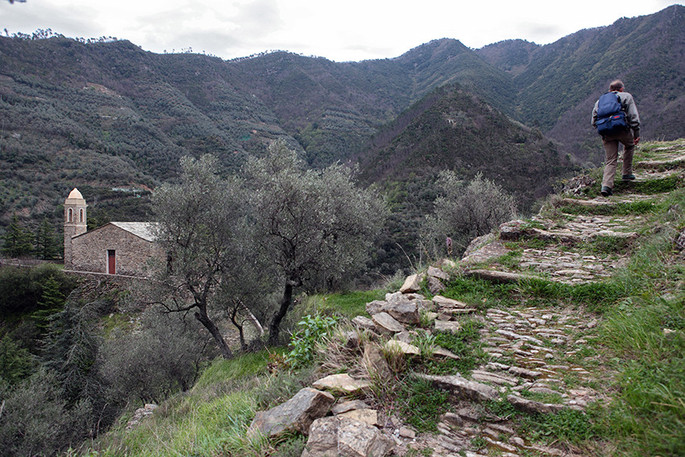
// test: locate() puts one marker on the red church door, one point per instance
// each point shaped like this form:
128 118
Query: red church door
111 262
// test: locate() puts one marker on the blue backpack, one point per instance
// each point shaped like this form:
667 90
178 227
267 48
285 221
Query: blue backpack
610 116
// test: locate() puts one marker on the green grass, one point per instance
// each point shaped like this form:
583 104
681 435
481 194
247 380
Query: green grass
567 425
511 259
210 419
421 403
465 343
648 151
595 296
543 397
221 370
650 403
618 209
645 335
480 293
184 427
610 245
344 304
650 186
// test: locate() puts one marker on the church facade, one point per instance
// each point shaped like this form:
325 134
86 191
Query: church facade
117 248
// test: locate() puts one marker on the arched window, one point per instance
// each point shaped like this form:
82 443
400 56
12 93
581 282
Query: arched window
70 215
80 215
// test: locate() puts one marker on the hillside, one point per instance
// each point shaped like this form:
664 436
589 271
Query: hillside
453 129
559 335
558 83
110 115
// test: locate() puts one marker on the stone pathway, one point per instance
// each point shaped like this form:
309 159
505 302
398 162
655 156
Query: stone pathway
559 247
558 258
542 359
537 360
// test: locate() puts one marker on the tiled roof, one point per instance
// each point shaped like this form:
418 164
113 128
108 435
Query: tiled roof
144 230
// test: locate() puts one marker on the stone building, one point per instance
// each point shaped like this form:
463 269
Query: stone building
123 248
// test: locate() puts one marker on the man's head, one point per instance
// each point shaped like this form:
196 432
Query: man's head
616 86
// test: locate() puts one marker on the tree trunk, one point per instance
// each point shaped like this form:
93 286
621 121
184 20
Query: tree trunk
275 326
203 318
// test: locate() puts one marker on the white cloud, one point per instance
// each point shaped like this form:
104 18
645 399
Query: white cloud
350 30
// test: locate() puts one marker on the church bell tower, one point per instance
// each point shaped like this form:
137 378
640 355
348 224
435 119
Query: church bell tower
75 222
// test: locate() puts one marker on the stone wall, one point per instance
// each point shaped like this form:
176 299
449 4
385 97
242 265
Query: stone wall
133 254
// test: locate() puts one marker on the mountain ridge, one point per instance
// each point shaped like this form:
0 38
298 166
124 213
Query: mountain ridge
109 114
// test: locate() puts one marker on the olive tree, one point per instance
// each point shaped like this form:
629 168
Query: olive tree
464 211
314 226
202 227
162 356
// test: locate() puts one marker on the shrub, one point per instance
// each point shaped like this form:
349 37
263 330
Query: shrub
464 212
36 420
21 289
304 341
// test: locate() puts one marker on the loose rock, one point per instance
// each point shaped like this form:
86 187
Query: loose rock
297 414
345 437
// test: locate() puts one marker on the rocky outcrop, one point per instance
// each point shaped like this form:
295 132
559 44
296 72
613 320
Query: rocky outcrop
140 414
402 307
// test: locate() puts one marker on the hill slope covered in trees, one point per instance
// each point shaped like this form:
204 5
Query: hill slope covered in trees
110 115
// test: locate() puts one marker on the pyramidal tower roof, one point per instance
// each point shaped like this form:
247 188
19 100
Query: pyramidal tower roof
75 197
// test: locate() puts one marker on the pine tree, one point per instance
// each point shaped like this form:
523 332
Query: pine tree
47 246
51 302
18 240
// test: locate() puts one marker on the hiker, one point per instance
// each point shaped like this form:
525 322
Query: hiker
615 117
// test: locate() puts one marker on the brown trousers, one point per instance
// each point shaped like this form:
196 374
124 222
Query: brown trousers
611 150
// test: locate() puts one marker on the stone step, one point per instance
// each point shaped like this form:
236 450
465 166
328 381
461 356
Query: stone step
670 162
603 201
499 276
462 387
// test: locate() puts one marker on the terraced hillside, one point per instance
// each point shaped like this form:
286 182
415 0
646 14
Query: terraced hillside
561 335
547 354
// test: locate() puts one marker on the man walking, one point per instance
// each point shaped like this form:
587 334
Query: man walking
629 136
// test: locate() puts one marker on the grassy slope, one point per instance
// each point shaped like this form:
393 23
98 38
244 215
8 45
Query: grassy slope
641 338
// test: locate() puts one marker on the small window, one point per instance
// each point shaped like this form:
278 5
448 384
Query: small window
70 215
111 262
80 215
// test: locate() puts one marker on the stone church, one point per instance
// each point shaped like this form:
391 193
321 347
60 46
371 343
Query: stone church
121 248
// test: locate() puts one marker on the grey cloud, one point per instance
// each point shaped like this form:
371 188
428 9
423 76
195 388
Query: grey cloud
260 15
31 16
235 35
541 32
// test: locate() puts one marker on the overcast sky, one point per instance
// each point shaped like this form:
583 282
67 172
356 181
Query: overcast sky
338 30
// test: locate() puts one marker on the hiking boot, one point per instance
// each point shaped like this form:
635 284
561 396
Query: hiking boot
606 191
628 177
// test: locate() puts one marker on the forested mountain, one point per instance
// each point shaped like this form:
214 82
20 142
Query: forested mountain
110 115
454 129
557 84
